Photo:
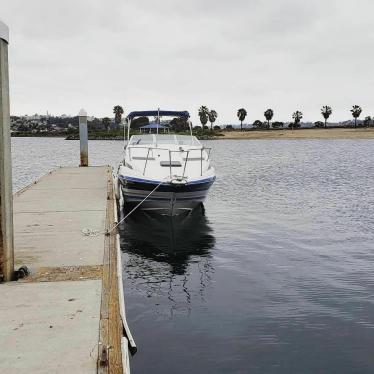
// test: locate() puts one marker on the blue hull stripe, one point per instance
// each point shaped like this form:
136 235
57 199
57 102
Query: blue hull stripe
139 198
148 181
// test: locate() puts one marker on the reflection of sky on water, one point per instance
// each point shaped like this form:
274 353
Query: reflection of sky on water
168 257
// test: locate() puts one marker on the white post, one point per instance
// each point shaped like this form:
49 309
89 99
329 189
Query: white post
83 137
6 198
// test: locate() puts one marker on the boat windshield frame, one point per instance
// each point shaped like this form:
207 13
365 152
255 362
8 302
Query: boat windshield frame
200 149
159 113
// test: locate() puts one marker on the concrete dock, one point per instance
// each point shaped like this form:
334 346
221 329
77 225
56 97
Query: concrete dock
67 315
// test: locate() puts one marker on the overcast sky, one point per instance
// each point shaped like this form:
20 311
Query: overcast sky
144 54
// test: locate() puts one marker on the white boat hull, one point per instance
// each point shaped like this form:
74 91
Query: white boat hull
168 198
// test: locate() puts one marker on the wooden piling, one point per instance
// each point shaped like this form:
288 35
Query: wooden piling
6 199
83 137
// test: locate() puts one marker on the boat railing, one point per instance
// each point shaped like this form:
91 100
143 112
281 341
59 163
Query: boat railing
201 150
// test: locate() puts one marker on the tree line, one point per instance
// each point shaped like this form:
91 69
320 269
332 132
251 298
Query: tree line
326 112
206 115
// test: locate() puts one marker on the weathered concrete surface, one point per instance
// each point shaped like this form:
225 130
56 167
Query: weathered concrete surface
41 331
49 217
37 232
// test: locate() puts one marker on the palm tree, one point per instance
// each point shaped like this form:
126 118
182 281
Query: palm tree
356 111
326 112
118 111
203 114
242 113
297 118
269 115
212 116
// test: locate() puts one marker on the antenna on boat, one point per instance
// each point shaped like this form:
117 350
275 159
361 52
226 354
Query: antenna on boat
158 118
190 126
128 128
125 121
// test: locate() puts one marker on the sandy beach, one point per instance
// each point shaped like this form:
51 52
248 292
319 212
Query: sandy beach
335 133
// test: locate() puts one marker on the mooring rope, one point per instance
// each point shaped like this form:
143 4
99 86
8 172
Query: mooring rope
136 207
89 232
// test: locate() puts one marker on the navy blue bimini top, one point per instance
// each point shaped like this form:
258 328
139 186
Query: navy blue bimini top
148 113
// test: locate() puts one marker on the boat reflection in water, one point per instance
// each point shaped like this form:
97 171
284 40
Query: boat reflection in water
168 257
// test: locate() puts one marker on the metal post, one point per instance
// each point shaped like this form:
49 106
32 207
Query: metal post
6 198
201 161
146 161
170 162
158 119
128 129
83 137
124 129
185 164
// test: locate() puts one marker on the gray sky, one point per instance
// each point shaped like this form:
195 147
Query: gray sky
141 54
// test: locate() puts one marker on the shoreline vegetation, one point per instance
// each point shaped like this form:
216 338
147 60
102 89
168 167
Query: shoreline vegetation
235 134
113 128
303 133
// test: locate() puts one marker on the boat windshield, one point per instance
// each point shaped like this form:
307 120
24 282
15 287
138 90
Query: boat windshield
164 139
141 139
187 140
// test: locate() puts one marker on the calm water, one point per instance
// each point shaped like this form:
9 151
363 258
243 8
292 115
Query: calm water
277 277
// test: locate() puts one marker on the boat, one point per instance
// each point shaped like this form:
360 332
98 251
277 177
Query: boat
168 174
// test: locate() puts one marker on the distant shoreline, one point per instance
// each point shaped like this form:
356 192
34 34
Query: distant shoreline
271 134
312 133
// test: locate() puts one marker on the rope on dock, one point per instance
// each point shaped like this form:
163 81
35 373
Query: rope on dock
89 232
